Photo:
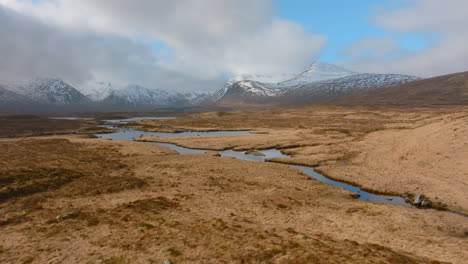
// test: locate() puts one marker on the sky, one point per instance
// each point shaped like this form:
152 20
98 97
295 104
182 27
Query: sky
346 22
199 44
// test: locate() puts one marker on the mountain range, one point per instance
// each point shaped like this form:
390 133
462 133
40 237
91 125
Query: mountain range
321 82
54 92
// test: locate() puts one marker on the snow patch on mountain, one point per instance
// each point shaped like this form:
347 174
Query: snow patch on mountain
195 97
246 79
47 91
254 88
318 71
136 96
351 84
97 91
8 97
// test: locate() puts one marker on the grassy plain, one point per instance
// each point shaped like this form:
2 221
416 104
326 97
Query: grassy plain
396 151
75 199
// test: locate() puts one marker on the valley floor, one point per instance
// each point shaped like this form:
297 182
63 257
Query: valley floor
74 199
394 151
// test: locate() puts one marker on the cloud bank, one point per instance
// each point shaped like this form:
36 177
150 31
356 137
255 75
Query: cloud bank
184 44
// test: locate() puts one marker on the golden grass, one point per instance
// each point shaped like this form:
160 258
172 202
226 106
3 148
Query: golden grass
128 202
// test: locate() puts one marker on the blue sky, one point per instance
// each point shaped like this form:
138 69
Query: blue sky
345 22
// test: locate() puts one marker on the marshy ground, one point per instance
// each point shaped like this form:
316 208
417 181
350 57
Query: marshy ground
75 199
394 151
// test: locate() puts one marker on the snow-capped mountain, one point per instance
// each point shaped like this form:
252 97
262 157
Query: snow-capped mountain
97 91
265 78
258 78
47 91
320 82
56 92
196 97
318 71
325 90
253 88
8 97
271 85
136 96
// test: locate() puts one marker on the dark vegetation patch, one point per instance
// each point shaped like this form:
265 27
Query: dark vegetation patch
154 205
23 182
31 125
335 130
142 215
101 185
21 117
318 251
28 125
42 165
35 170
115 260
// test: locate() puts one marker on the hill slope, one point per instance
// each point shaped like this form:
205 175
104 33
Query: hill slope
449 89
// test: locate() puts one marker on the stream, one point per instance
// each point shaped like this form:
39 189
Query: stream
130 134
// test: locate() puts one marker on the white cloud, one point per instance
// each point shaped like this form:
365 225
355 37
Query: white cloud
206 38
446 19
31 49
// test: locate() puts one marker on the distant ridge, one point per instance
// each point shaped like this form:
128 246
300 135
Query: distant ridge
451 89
54 94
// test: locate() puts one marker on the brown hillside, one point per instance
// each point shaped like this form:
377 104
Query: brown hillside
449 89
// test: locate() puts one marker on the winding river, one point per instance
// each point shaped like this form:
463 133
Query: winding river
130 134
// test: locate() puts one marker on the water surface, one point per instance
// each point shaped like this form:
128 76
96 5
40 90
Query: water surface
72 118
131 134
132 119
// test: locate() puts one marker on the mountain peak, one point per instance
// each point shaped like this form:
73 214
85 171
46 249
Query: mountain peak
48 79
49 90
323 67
319 71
